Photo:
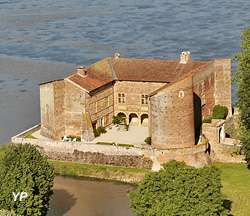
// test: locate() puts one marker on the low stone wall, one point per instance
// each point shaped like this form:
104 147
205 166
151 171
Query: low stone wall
148 157
226 153
27 132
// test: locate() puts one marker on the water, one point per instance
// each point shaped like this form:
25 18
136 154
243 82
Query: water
45 40
78 196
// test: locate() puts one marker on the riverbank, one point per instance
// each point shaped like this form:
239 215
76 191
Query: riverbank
112 173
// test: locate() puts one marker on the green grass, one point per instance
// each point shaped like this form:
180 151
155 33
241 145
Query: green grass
30 137
126 145
105 143
235 179
97 171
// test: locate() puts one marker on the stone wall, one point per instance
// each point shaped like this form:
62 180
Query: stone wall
172 115
100 105
77 119
203 86
133 102
47 110
222 149
222 68
59 111
149 158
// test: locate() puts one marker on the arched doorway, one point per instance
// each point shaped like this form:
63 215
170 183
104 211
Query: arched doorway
133 119
144 119
121 114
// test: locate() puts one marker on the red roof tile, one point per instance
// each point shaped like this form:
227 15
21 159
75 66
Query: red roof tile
151 70
100 73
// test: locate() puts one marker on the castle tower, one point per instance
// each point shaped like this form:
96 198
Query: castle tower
172 115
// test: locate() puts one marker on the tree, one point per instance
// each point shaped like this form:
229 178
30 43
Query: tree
242 79
178 189
7 213
24 169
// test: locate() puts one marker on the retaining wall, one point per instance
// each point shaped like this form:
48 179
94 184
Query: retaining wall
148 157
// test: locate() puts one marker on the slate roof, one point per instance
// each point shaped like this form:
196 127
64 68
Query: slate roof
100 73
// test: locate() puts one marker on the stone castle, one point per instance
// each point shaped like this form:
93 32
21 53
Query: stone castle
170 97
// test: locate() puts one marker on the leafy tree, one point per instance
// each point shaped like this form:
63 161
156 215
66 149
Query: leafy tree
178 189
242 79
24 169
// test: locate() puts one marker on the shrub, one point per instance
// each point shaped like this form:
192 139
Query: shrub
126 145
148 140
78 139
209 120
4 212
101 129
24 169
220 112
178 189
96 133
118 119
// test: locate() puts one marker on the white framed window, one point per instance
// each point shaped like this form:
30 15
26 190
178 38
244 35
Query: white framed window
121 98
144 99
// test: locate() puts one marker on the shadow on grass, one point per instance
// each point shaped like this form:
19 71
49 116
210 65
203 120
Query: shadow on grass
227 204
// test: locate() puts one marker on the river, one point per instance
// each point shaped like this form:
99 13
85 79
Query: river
46 40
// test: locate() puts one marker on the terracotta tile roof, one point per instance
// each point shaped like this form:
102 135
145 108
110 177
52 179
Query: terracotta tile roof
97 75
151 70
100 73
182 77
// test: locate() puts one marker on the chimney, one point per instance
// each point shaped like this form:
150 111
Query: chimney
117 56
81 70
185 57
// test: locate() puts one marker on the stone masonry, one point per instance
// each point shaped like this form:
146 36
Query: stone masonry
169 97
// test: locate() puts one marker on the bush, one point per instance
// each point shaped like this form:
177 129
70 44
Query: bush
126 145
101 129
209 120
78 139
178 189
24 169
96 133
220 112
118 119
148 140
7 213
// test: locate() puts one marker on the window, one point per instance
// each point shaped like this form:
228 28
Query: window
203 99
203 86
47 109
106 101
144 99
106 120
121 98
95 107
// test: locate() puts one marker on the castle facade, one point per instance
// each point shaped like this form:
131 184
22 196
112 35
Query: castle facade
169 97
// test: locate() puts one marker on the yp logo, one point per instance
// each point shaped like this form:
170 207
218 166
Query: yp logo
22 195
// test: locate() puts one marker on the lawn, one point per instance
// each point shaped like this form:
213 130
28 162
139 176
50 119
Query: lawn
132 175
236 186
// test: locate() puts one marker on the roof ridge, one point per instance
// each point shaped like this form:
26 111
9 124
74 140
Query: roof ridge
112 69
179 78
